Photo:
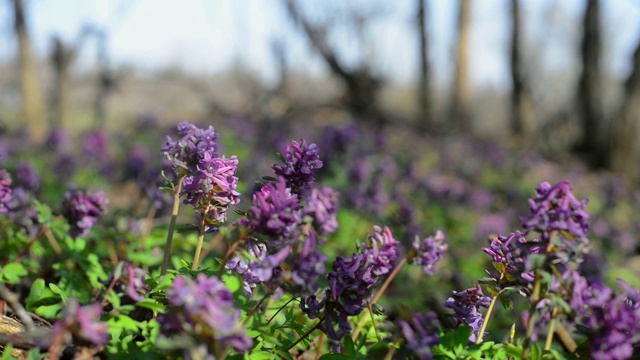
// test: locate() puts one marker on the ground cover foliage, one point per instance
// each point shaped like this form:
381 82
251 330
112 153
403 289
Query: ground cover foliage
198 242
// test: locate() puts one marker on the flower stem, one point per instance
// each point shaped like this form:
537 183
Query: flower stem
172 227
304 336
552 329
282 308
373 321
535 297
487 317
378 295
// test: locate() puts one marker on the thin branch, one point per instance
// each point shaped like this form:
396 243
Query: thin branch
14 301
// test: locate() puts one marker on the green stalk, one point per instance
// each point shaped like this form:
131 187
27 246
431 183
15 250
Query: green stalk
487 317
304 336
379 295
172 227
196 256
535 297
552 329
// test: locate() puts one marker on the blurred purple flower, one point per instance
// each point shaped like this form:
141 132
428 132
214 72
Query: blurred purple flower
381 250
135 283
322 207
466 306
613 323
300 160
138 160
429 251
205 309
94 144
491 224
420 333
82 322
5 191
82 210
57 140
27 177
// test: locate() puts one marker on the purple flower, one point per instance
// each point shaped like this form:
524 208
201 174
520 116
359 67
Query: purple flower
5 191
311 306
57 139
138 160
322 207
212 188
27 177
275 211
135 283
204 309
614 328
555 208
259 267
95 144
381 250
466 306
300 160
187 151
82 322
82 210
429 251
350 284
509 258
420 333
308 265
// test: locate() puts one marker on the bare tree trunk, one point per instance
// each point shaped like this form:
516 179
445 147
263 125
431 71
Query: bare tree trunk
521 106
361 87
424 93
460 105
590 92
31 97
624 142
61 58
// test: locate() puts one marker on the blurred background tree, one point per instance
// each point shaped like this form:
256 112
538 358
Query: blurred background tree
556 77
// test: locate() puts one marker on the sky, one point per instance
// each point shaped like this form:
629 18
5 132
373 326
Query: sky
208 36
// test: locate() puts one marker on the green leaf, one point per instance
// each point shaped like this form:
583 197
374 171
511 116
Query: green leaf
233 282
349 346
41 296
151 304
43 211
58 291
461 337
536 261
335 357
12 272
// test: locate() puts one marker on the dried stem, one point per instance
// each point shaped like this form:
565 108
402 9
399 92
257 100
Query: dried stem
14 301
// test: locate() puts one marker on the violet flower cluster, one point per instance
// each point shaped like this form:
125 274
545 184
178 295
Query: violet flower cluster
613 321
82 209
275 212
381 250
204 308
27 177
420 333
508 255
82 323
258 267
5 191
429 251
466 306
209 180
300 160
555 209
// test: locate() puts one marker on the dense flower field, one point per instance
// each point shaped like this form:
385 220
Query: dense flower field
356 245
